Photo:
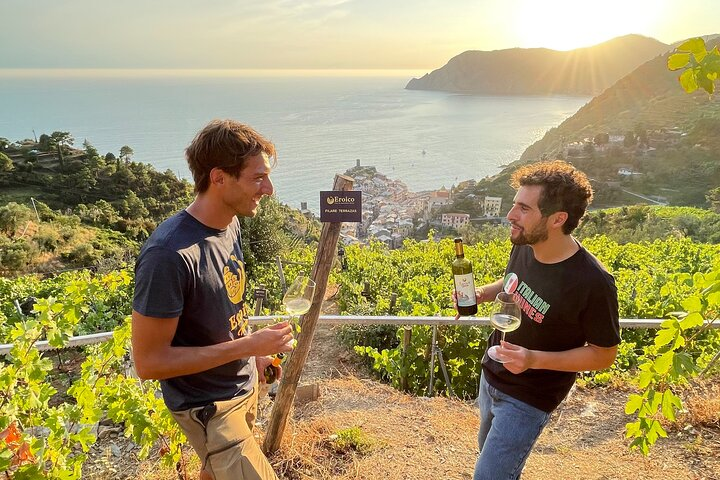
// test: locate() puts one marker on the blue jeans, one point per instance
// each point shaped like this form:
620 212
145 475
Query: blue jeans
508 431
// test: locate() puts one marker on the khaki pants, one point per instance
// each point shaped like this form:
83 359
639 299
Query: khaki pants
221 434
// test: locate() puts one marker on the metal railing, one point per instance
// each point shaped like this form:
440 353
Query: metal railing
352 320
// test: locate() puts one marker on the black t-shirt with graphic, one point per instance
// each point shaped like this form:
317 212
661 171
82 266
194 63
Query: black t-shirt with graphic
194 272
564 305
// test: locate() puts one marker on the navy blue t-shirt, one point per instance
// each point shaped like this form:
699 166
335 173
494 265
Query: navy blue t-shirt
564 306
194 272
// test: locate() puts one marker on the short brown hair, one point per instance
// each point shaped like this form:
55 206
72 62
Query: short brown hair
564 189
224 144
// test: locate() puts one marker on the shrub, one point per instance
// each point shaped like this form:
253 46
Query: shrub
47 238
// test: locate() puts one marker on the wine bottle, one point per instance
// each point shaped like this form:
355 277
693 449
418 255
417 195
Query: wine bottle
271 370
464 283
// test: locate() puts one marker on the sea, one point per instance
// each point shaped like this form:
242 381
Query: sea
322 122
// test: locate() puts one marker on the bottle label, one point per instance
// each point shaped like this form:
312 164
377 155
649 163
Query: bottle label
465 290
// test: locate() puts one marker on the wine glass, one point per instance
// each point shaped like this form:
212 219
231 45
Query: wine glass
299 297
297 300
504 316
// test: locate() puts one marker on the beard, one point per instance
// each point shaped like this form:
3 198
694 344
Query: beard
537 234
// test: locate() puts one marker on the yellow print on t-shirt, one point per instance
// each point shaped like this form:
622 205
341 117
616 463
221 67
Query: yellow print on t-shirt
239 322
234 283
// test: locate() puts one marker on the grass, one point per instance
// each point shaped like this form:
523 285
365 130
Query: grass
19 194
703 404
352 439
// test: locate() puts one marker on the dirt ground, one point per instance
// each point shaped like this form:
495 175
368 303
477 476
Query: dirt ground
431 438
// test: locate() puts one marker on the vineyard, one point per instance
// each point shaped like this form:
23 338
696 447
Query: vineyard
46 433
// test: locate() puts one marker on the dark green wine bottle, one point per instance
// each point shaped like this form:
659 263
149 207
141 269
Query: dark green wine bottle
464 283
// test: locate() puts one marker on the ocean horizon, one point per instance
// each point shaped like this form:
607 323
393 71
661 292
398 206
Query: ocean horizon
321 121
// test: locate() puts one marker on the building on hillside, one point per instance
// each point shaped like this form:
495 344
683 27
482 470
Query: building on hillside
437 198
304 210
350 240
349 228
627 172
491 206
455 220
397 240
405 227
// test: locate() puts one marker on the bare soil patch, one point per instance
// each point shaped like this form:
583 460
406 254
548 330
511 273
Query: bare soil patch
431 438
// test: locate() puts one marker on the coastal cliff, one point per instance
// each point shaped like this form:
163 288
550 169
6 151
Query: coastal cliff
540 71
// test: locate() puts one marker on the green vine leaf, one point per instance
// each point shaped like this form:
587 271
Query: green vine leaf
665 336
677 61
663 362
633 404
692 304
696 46
688 81
683 365
670 402
692 320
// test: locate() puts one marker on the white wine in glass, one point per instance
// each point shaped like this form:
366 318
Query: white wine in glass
297 300
505 316
297 306
299 296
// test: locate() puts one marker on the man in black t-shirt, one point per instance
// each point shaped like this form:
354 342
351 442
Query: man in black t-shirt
190 318
569 317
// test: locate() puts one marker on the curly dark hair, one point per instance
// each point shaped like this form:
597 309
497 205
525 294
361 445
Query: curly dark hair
564 189
224 144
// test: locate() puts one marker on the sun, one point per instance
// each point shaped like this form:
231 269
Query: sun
565 25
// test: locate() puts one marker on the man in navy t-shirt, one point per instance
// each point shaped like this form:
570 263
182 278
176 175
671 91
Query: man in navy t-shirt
569 317
190 318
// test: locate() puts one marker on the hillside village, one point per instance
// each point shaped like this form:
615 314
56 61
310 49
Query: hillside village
392 213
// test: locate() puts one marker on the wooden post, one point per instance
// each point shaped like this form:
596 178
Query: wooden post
393 301
327 247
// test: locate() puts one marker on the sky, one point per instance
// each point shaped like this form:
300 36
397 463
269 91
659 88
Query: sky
321 34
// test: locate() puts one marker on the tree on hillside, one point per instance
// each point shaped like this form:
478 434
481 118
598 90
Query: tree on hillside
125 153
263 235
82 180
5 163
59 140
601 139
132 207
4 143
106 215
713 197
90 150
44 143
629 140
15 255
45 213
14 216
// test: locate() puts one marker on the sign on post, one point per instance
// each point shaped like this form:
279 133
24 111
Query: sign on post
341 206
